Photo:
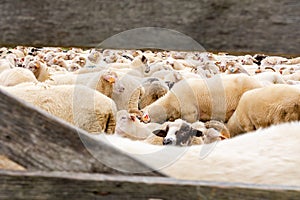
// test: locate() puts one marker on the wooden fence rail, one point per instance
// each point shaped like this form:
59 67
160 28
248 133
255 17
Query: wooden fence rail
218 25
63 185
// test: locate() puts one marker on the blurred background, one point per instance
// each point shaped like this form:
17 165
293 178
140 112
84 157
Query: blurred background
270 26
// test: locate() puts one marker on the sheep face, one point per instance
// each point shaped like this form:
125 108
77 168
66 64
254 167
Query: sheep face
129 126
81 61
178 133
34 66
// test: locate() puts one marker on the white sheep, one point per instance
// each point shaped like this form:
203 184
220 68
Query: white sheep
263 157
295 76
103 81
4 65
182 133
268 78
39 69
130 127
293 61
199 99
15 76
138 66
76 104
269 156
265 106
273 60
148 92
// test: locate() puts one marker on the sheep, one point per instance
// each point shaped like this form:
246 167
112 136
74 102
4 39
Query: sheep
170 76
4 65
295 76
273 60
103 81
265 106
139 65
291 82
150 90
293 61
267 156
79 105
157 67
130 127
181 133
268 78
39 69
153 87
7 62
16 76
199 99
231 67
246 60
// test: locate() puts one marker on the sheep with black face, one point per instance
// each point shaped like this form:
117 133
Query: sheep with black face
182 133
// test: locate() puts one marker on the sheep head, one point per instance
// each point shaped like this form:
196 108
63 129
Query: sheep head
220 127
177 133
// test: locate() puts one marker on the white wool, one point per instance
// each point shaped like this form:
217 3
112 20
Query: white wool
267 156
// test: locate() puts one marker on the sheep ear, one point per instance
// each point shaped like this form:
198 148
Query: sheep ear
224 135
160 133
197 132
132 117
144 59
110 78
38 65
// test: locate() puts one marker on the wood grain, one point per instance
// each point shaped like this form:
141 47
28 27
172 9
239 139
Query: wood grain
63 185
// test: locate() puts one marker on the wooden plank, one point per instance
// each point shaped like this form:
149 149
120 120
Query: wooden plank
62 185
7 164
219 25
39 141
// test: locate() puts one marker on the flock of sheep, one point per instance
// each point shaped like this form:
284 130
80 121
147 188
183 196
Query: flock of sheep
146 98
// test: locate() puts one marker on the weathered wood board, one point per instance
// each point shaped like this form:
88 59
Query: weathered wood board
218 25
39 141
62 185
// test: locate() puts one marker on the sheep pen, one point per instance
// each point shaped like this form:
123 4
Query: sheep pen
108 101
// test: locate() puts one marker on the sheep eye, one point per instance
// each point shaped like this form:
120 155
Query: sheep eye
123 117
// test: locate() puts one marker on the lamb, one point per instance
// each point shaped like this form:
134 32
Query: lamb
79 105
198 99
15 76
181 133
265 106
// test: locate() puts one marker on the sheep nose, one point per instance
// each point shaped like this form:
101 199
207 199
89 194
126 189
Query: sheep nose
167 141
